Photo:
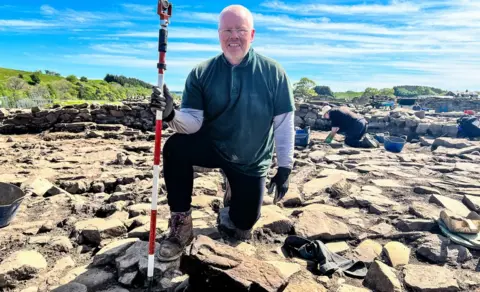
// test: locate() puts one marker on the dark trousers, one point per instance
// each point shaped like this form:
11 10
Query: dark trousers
181 152
354 138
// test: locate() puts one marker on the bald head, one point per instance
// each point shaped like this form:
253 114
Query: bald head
238 11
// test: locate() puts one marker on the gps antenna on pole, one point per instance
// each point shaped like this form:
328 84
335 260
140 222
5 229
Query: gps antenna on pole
164 10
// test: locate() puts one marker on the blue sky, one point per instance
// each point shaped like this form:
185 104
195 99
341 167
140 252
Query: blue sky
347 45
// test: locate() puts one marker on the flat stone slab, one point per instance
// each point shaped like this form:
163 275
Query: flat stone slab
388 183
422 190
472 202
318 186
466 166
317 156
424 210
368 250
349 175
212 266
440 250
365 199
453 205
333 211
96 229
19 266
408 225
349 288
425 278
313 224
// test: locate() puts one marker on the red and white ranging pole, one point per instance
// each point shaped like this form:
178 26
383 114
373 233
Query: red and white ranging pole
164 10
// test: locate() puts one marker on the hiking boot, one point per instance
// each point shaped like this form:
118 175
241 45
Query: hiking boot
227 227
180 235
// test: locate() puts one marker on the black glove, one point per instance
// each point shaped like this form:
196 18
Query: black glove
162 102
280 182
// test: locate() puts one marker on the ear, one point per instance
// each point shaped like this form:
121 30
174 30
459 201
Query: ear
252 35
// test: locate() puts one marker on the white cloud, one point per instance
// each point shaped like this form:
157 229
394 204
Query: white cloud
146 48
25 24
48 10
131 61
395 7
173 33
137 8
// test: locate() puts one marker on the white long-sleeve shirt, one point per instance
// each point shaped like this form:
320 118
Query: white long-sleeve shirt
189 121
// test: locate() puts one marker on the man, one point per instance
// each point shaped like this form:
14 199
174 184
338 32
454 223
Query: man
235 107
353 125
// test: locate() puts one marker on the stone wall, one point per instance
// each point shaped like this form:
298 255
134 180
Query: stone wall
136 115
451 104
397 122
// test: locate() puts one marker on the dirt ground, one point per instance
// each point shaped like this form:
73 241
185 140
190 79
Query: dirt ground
91 171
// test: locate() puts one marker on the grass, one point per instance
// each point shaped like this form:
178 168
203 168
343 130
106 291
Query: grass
347 94
6 73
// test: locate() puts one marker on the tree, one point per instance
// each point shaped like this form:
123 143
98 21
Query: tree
370 92
387 92
16 84
323 90
62 89
304 88
72 78
38 92
83 79
35 78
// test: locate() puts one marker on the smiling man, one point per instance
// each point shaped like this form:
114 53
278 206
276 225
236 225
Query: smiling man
237 107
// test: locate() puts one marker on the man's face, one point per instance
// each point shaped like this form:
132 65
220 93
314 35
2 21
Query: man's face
236 34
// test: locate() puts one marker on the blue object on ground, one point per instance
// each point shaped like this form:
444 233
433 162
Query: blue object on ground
302 137
10 199
388 103
380 138
394 144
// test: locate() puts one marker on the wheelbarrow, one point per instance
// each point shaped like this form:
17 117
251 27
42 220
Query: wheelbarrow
10 199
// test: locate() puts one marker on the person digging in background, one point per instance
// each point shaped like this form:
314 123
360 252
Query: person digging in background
235 107
353 125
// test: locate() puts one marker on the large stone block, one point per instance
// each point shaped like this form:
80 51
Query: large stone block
213 266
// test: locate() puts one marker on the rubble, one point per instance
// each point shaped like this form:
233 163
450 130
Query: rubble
88 179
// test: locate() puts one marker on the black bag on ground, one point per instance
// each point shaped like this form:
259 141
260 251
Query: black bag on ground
470 126
327 262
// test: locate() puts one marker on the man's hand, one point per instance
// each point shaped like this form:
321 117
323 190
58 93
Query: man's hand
162 102
279 182
335 130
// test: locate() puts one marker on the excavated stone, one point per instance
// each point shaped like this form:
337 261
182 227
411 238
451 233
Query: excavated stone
212 266
19 266
453 205
316 225
381 277
397 253
439 250
427 278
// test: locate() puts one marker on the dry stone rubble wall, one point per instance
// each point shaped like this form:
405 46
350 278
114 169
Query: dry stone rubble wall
137 115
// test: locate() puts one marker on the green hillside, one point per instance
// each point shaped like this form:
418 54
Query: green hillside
348 94
17 86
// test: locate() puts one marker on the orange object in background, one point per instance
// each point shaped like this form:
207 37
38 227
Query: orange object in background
469 112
